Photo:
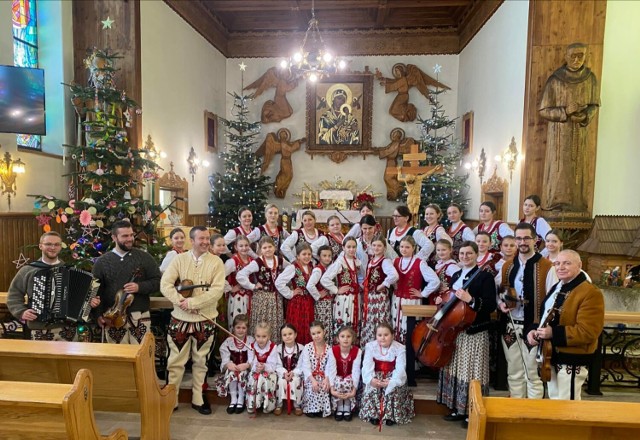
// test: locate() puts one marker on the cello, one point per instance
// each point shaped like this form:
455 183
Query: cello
434 340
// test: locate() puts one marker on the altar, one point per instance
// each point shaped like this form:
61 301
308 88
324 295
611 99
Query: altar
323 214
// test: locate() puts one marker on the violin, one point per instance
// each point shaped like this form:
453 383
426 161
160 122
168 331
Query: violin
185 287
545 350
117 313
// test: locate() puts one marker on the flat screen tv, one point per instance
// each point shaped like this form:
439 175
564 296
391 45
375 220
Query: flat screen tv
22 100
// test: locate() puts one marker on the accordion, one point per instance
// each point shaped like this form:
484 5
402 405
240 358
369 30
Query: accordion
62 294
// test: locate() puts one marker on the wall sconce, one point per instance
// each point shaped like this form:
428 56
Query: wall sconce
509 157
150 150
194 162
478 165
9 170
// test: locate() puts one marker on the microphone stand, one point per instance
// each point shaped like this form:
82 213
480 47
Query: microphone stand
344 217
151 222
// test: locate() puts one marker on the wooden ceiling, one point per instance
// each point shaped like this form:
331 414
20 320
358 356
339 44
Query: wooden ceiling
271 28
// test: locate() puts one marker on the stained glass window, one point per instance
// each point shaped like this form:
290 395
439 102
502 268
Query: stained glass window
25 51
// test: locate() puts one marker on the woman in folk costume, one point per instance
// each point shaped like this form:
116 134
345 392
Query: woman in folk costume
271 228
266 302
553 244
445 267
316 364
238 298
177 247
530 208
292 285
376 302
342 280
471 356
289 371
237 357
495 228
402 220
333 238
344 379
244 229
367 234
366 208
458 231
434 231
386 397
263 379
323 307
306 234
416 281
487 258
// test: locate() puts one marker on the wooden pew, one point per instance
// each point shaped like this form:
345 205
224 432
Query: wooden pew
31 410
502 418
124 376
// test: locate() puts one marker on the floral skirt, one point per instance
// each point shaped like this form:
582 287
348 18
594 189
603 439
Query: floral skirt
300 314
261 391
324 313
396 406
295 391
377 310
224 380
343 385
344 313
237 304
399 321
315 402
267 306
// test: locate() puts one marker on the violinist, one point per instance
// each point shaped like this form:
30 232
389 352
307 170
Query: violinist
471 356
128 271
574 330
190 333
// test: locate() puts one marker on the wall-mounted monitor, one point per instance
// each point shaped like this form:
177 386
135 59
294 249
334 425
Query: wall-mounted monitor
22 108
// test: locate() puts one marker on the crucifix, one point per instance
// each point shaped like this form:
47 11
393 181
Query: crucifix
412 177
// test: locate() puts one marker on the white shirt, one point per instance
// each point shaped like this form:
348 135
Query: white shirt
314 279
337 267
306 366
282 282
229 345
332 371
467 234
287 353
426 245
242 277
428 275
272 361
288 246
396 351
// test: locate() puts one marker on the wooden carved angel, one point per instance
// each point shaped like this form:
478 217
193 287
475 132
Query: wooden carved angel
406 76
399 145
276 143
279 108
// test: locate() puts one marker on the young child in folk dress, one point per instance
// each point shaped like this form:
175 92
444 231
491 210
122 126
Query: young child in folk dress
416 281
333 238
376 303
299 303
434 231
497 229
262 379
316 363
266 302
271 228
238 299
487 259
458 231
236 362
177 247
323 308
508 250
345 270
386 397
289 371
346 376
445 267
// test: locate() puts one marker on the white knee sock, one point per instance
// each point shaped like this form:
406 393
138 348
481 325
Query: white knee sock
233 388
240 394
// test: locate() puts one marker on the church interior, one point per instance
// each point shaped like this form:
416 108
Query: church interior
460 90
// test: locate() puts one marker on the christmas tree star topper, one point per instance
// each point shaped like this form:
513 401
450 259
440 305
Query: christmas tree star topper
243 66
437 68
106 24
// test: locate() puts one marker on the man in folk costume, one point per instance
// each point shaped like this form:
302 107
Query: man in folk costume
573 329
190 333
526 278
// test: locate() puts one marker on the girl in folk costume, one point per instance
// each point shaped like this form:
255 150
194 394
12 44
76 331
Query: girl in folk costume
386 398
458 231
471 356
238 298
402 220
244 229
272 229
333 238
413 274
266 302
300 310
434 230
177 247
376 304
237 357
487 258
316 363
530 209
262 379
552 245
368 232
344 272
218 248
366 208
306 234
508 250
445 267
323 308
289 371
495 228
345 377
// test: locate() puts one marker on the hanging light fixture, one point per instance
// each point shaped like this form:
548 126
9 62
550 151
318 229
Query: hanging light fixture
313 60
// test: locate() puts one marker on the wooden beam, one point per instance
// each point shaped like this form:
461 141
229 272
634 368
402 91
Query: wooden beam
286 5
203 21
383 11
474 19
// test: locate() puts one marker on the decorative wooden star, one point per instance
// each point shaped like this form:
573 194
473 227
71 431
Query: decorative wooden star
106 24
21 261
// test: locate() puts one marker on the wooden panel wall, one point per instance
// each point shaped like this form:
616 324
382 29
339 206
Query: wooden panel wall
553 25
123 38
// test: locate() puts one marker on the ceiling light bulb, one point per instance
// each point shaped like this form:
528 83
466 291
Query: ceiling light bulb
313 77
342 64
297 57
284 64
327 57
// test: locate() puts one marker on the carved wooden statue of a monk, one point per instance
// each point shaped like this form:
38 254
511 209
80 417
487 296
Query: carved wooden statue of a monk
570 101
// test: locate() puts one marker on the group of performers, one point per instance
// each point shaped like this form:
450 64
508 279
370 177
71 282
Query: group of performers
315 320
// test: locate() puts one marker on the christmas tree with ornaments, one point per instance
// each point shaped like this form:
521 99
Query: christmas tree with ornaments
108 173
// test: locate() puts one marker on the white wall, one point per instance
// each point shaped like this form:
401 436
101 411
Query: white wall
369 171
182 76
491 84
618 157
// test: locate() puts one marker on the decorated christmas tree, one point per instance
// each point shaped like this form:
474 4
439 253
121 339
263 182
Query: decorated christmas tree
438 143
241 183
108 173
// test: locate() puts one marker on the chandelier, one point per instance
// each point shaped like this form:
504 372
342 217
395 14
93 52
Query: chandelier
313 60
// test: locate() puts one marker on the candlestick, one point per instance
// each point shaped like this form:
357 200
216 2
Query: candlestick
303 198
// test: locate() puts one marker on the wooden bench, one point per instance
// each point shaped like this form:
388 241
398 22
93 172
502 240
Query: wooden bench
502 418
124 376
31 410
